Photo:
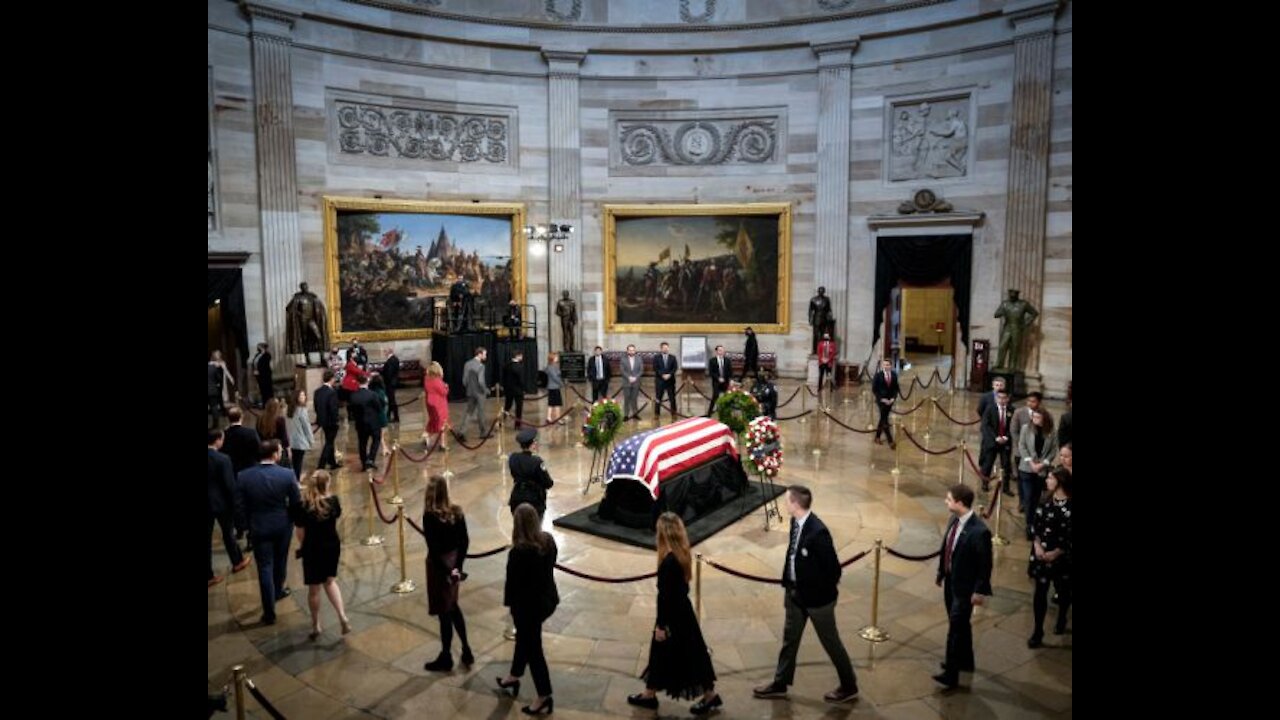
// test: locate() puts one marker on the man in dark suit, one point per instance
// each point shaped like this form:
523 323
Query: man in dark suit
989 399
359 354
326 402
262 370
664 380
750 356
222 507
391 376
598 373
964 572
367 409
996 440
240 443
513 387
811 577
268 493
719 369
885 387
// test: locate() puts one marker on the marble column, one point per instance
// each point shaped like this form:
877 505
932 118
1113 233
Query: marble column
831 269
565 183
270 39
1026 201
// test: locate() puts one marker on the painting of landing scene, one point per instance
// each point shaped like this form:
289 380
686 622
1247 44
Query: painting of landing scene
386 261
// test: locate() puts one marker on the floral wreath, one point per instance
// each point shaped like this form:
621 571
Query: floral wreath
736 409
603 423
764 445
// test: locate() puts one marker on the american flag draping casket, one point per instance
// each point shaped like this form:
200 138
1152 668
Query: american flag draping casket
663 453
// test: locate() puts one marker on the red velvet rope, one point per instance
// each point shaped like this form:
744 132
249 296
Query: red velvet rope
414 525
836 420
415 399
585 576
855 558
698 390
916 558
564 414
426 455
638 411
948 416
910 389
483 440
993 500
793 397
737 573
974 465
378 504
262 700
793 417
487 553
915 380
925 450
908 412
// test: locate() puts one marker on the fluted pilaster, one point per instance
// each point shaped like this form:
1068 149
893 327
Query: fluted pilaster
565 180
831 270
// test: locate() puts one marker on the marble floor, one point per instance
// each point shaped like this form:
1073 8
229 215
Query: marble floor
597 641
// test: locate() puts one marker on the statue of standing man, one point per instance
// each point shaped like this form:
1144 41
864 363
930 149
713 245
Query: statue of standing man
1017 314
819 316
567 311
306 328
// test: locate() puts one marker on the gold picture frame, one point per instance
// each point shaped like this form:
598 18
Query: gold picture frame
751 287
413 271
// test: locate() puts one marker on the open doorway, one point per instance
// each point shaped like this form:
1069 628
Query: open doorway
922 297
228 329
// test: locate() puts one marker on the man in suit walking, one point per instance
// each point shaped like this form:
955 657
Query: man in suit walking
240 443
391 376
632 369
513 387
885 387
268 492
222 507
367 409
964 572
750 356
664 380
719 370
995 440
326 401
811 577
477 392
598 374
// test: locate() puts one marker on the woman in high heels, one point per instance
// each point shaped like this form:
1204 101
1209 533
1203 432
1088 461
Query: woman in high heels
531 594
317 530
678 659
445 528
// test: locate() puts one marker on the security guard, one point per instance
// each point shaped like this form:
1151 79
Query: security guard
529 477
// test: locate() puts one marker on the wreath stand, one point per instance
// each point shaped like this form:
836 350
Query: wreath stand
600 459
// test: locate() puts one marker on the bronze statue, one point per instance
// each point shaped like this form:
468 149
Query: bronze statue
1017 314
819 316
567 311
306 328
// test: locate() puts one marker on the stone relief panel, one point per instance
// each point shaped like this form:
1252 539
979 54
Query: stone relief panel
929 138
375 128
553 9
708 11
695 138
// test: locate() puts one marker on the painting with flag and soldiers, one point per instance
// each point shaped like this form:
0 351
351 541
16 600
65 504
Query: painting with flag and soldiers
674 268
387 260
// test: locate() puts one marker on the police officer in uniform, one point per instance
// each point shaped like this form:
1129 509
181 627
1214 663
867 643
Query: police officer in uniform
529 477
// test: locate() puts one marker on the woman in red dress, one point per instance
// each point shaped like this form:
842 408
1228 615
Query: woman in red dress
437 401
350 382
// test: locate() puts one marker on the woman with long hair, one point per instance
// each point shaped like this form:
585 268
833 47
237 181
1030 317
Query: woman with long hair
1037 446
219 381
678 659
317 530
271 426
445 528
531 594
301 437
436 392
1051 553
555 400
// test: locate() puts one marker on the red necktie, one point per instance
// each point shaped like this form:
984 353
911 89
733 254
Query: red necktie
951 538
886 379
1001 421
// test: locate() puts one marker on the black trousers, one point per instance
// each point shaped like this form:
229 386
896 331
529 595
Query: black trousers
296 457
224 520
1040 604
516 399
370 441
987 460
885 426
393 408
215 409
599 389
327 456
669 389
265 388
959 630
529 652
272 554
716 392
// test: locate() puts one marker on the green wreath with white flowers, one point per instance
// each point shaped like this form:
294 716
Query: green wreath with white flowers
602 425
736 409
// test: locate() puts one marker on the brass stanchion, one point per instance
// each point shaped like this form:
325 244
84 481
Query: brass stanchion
405 585
962 451
897 447
872 632
697 587
374 538
238 677
996 538
395 476
804 400
447 472
928 420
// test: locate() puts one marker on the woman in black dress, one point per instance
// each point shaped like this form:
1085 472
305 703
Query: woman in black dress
678 659
1051 553
317 524
531 594
447 541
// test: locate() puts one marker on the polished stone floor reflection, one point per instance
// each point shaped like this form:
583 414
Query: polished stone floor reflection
597 641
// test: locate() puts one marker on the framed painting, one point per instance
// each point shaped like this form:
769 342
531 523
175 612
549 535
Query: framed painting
697 268
386 261
693 352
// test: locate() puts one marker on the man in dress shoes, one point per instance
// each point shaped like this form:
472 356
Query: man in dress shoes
885 388
473 379
391 376
810 578
222 507
720 369
268 493
989 399
326 402
632 369
598 374
664 380
964 573
996 440
367 407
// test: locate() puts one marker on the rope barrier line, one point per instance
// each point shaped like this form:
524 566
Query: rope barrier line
908 412
414 525
262 700
969 455
856 558
923 449
793 417
910 389
585 576
914 558
487 553
992 499
793 397
771 581
390 463
915 380
526 423
378 504
412 459
488 434
415 399
948 416
837 421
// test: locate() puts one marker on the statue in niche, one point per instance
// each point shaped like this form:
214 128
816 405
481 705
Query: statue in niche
1018 315
305 326
567 311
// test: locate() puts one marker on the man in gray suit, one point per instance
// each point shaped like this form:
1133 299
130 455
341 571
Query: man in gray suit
477 391
632 369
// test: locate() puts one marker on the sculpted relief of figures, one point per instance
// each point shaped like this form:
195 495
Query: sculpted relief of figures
419 134
929 140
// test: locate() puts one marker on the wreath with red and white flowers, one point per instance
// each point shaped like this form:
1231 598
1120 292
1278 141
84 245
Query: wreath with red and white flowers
764 445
